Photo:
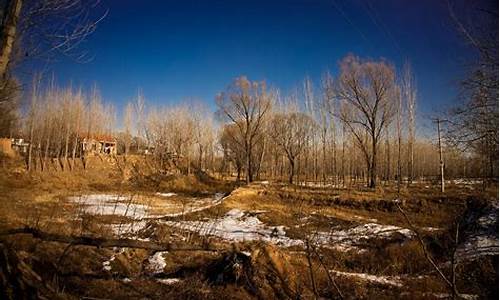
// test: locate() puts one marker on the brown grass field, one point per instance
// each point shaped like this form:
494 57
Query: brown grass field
53 248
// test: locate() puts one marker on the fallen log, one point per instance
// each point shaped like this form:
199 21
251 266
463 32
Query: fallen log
101 242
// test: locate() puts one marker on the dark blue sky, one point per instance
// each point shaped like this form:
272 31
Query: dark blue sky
176 50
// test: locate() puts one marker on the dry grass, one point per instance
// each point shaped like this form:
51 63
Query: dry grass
35 199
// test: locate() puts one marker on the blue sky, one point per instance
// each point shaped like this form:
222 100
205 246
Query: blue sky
176 50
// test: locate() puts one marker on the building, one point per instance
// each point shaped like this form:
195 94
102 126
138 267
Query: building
6 147
20 146
99 145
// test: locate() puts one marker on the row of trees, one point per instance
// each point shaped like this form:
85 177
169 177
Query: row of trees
356 127
359 127
31 30
57 121
361 103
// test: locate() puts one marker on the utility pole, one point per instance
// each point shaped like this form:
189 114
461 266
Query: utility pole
441 161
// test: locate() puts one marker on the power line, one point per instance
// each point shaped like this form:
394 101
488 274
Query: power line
348 19
372 13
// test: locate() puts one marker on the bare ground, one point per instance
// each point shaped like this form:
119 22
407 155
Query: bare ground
169 236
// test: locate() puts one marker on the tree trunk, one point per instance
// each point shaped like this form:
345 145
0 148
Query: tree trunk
30 147
249 165
292 170
238 169
66 145
9 33
373 169
46 155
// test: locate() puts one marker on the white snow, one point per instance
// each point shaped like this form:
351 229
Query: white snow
348 239
169 281
488 220
384 280
156 263
127 228
478 246
107 204
431 229
444 295
166 194
484 241
467 181
107 264
356 217
237 226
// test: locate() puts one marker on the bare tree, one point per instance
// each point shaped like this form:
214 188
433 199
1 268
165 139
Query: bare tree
473 124
39 28
32 119
246 104
290 131
233 147
127 123
399 129
409 91
368 90
328 106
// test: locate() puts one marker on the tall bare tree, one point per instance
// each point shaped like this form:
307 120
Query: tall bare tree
290 131
127 124
246 104
409 91
368 90
473 124
42 27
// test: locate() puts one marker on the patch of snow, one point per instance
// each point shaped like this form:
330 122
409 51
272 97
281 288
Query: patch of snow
488 220
467 181
478 246
106 266
156 263
166 194
432 229
199 205
348 239
484 239
169 281
264 182
235 213
383 280
127 228
107 204
126 280
444 295
237 226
